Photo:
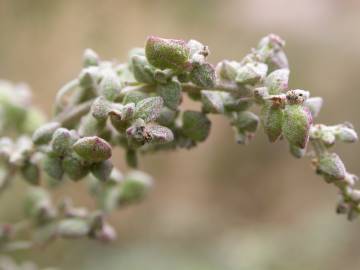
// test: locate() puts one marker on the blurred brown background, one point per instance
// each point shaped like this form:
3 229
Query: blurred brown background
220 206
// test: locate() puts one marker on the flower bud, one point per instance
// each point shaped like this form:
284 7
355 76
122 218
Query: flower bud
170 93
90 58
31 173
203 75
227 70
89 77
167 53
149 109
116 120
297 151
251 73
52 166
246 121
102 170
270 50
134 97
213 101
328 137
314 104
159 134
163 76
100 108
331 167
73 228
110 85
61 141
75 167
134 187
296 125
196 125
277 60
277 81
346 134
142 71
92 149
272 119
43 134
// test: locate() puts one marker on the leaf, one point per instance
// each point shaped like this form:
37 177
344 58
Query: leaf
331 167
93 149
102 170
160 134
314 104
277 81
149 109
203 75
143 72
196 125
167 53
170 93
43 134
271 119
296 125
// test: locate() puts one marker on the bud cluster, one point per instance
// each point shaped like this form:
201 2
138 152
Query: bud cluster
136 106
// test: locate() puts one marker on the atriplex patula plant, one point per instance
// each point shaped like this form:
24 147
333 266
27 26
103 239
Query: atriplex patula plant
136 106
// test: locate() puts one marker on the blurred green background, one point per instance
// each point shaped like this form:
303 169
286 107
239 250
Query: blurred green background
221 205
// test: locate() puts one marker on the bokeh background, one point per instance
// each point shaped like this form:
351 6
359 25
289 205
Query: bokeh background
221 205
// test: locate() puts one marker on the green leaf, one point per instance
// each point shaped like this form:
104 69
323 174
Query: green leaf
170 93
75 167
61 142
43 134
331 167
297 151
246 121
100 108
167 53
271 119
277 81
213 101
90 58
159 134
102 170
93 149
110 85
296 125
52 166
149 109
31 173
134 187
143 72
196 125
73 228
134 97
203 75
251 73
